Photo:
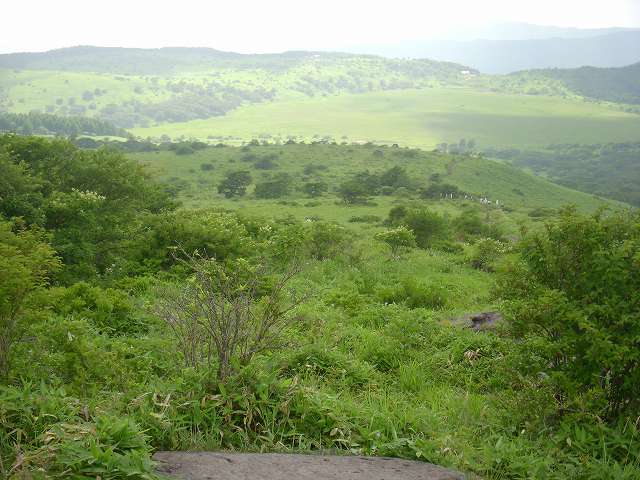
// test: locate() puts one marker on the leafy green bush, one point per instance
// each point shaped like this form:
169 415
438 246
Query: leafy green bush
218 234
109 310
365 219
486 252
469 225
235 184
426 225
326 240
276 187
26 263
577 287
398 239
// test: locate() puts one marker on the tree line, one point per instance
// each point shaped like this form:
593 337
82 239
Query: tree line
50 124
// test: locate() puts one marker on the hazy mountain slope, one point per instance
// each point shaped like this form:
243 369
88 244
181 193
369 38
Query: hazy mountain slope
529 31
137 87
504 56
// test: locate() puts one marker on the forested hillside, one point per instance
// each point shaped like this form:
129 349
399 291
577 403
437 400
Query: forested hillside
620 85
609 170
49 124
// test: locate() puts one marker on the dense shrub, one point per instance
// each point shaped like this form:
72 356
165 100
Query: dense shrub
365 219
276 187
577 287
326 240
468 225
109 310
426 225
486 252
315 189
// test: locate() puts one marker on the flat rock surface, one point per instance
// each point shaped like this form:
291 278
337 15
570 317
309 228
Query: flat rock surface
277 466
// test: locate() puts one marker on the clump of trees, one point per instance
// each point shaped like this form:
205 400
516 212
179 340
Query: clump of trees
235 184
276 187
428 227
363 185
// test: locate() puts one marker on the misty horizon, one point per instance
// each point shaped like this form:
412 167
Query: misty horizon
250 27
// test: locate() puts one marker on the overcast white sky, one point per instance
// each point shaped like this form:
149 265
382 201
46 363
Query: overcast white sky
278 25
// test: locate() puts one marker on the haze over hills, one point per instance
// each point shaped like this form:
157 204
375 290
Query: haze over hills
527 31
506 48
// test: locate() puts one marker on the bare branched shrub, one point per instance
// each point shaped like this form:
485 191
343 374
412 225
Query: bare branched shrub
224 313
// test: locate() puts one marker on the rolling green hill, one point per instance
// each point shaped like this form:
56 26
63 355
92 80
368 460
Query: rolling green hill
181 93
194 177
133 87
208 94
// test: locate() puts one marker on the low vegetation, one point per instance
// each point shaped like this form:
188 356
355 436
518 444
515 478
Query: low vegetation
140 309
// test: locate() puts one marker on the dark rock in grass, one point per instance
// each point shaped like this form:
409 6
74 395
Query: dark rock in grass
275 466
485 320
479 321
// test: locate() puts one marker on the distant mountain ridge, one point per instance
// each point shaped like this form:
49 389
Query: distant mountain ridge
502 56
159 61
528 31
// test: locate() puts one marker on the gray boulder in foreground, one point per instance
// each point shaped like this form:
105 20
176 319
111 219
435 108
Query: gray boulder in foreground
278 466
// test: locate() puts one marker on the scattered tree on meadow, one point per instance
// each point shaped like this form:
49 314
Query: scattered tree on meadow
315 189
353 191
276 187
235 184
398 239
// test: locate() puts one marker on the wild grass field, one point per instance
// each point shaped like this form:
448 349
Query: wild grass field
421 118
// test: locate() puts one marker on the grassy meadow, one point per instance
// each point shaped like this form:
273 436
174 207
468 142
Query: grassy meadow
421 118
